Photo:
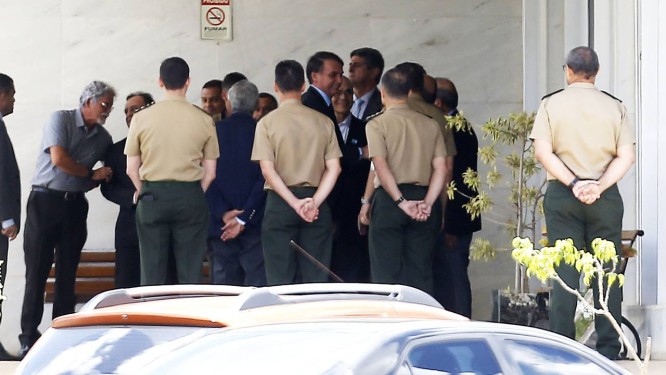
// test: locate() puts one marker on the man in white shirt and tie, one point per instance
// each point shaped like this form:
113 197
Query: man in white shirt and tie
365 70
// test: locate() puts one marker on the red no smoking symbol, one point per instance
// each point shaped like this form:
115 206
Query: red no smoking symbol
215 16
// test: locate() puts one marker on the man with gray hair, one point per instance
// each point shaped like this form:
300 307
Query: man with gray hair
73 142
237 203
582 201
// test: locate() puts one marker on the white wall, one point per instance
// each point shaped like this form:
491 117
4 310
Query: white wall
53 48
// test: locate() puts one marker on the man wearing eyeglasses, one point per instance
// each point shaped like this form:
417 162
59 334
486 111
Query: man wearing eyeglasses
120 190
350 258
73 142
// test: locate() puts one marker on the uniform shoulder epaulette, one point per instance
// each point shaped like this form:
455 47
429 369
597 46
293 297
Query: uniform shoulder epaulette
611 96
374 115
143 107
551 94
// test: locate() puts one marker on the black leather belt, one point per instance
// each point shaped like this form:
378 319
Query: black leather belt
66 195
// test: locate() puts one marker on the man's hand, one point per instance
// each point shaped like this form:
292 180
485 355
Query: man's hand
424 211
10 232
587 191
411 208
364 214
310 211
231 215
306 209
231 230
102 174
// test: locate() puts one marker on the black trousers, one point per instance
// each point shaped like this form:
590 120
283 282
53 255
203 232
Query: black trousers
4 250
55 224
128 270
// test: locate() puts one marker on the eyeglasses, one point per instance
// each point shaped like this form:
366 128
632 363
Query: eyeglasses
564 67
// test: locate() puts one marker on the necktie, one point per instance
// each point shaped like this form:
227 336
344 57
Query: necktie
356 107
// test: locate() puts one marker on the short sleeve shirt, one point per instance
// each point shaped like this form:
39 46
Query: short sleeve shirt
298 140
408 140
86 146
172 138
418 104
585 127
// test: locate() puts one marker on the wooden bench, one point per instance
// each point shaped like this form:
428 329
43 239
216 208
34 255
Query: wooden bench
95 274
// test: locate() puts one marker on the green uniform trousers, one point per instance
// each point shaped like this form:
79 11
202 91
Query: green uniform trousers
567 217
172 215
401 249
282 224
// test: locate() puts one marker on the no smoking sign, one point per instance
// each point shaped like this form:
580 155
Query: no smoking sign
216 19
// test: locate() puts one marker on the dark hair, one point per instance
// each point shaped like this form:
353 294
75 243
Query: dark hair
289 76
213 84
174 73
395 83
6 83
265 95
583 61
316 62
414 73
372 58
147 98
447 93
231 79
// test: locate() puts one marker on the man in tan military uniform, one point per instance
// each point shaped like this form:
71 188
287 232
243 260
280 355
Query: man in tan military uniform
408 152
299 157
172 152
584 140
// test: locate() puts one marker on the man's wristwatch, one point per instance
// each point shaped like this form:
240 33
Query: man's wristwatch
364 201
400 200
573 182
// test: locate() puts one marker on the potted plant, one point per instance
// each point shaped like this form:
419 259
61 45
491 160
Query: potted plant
508 155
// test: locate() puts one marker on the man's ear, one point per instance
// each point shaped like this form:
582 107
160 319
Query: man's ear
438 103
160 82
303 87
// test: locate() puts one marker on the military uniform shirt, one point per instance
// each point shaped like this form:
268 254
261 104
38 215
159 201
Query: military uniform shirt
298 140
408 140
172 137
418 104
585 127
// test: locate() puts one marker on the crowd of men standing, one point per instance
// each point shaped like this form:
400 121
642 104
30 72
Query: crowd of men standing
350 171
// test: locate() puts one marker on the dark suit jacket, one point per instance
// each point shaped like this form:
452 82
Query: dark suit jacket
374 105
120 190
10 192
456 219
313 99
351 183
238 182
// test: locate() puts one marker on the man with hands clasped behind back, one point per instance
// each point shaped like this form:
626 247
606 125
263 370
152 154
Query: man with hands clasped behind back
582 201
298 152
407 149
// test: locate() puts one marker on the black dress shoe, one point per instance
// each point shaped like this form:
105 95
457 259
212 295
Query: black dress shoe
4 356
23 351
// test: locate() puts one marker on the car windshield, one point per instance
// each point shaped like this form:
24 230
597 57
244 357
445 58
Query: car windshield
105 349
305 348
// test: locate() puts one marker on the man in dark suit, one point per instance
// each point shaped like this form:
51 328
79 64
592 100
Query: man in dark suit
350 258
365 70
324 72
236 197
10 193
120 191
451 260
